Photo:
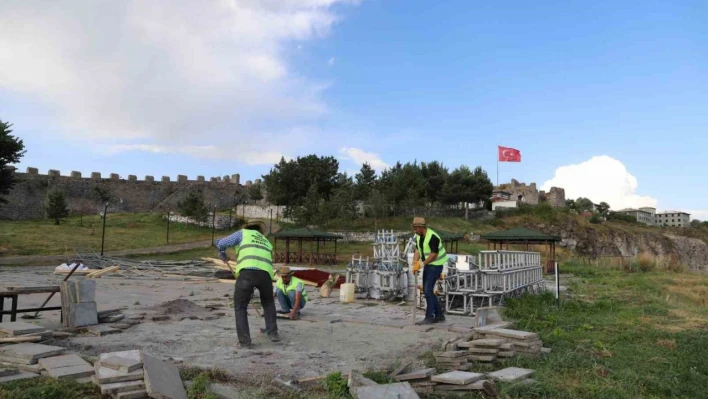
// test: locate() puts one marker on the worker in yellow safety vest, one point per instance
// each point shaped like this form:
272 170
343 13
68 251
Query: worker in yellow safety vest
254 269
431 252
291 293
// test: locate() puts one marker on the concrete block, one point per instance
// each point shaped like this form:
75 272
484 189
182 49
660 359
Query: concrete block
32 368
458 377
105 375
399 390
82 314
31 351
162 379
76 174
511 374
118 387
150 179
56 362
165 179
101 330
72 372
4 372
16 328
132 178
416 375
142 394
115 176
182 178
96 175
122 364
514 334
22 375
85 290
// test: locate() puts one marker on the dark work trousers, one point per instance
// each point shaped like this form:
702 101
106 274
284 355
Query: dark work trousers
433 308
243 290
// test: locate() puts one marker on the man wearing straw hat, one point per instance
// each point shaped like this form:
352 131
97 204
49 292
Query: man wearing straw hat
291 293
430 249
254 269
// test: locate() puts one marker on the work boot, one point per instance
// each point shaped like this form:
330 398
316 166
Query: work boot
425 321
281 311
439 319
274 337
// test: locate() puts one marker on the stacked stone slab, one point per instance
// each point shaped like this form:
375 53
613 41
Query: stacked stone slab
20 329
78 302
487 350
452 360
25 358
461 381
522 342
121 375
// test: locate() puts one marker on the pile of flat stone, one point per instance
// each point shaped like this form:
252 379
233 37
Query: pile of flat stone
18 331
29 360
452 360
136 375
521 342
78 302
426 381
488 350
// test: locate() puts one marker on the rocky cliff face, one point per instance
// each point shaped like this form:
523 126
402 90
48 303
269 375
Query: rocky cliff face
683 247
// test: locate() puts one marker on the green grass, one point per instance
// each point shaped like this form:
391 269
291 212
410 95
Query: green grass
123 231
48 388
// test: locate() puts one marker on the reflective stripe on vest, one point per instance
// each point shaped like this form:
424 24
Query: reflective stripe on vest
255 251
442 258
291 287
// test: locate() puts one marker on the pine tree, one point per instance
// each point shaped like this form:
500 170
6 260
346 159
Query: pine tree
56 206
11 150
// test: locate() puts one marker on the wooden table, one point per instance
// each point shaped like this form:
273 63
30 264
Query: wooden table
13 294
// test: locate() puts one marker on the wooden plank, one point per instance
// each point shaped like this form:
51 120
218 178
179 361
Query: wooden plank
30 290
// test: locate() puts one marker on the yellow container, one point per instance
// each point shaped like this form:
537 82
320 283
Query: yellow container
346 293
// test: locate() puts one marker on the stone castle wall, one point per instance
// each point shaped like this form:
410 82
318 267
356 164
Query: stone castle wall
531 195
26 199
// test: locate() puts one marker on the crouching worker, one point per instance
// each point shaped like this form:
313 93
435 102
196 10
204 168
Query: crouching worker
291 293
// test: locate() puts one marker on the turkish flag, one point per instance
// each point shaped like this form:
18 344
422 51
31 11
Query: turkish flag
509 154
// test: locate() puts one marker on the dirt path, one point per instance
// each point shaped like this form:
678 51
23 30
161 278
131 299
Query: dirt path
52 259
331 336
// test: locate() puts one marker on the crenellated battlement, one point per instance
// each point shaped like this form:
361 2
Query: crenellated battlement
33 173
87 193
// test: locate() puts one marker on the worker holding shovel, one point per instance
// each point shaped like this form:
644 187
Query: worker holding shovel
254 269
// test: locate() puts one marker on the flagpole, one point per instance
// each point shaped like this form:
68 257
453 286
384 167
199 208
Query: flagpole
497 166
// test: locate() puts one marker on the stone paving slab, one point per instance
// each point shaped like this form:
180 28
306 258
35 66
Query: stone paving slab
399 390
4 372
31 351
32 368
83 314
84 370
62 361
514 334
118 387
511 374
487 343
458 377
142 394
105 375
416 375
15 328
162 379
123 364
22 375
101 330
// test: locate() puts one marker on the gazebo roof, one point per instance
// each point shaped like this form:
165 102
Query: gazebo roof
520 234
306 233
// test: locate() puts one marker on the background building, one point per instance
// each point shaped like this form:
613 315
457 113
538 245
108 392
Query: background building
673 219
643 215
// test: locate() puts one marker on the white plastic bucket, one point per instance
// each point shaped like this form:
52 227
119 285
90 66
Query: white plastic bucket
346 293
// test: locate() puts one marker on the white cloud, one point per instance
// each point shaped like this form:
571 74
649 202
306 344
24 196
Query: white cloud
700 214
601 178
165 73
359 157
330 62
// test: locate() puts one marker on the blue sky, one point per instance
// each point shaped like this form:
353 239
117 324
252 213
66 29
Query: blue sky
616 89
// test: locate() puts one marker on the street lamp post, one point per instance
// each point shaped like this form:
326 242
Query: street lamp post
103 235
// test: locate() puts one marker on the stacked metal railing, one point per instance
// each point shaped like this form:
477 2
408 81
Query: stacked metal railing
495 276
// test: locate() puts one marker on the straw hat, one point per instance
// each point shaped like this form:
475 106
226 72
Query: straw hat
419 222
285 271
261 226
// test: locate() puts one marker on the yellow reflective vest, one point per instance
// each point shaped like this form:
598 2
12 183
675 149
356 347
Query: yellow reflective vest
294 281
255 251
424 248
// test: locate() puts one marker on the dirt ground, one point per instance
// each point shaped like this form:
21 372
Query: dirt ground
331 336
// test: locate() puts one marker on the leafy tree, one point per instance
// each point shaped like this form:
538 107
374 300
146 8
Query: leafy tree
583 204
570 203
603 208
255 193
466 186
288 183
342 204
102 193
11 150
434 174
311 212
365 181
193 206
403 185
55 206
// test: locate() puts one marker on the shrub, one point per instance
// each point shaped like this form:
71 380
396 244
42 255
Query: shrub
193 206
56 206
646 262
